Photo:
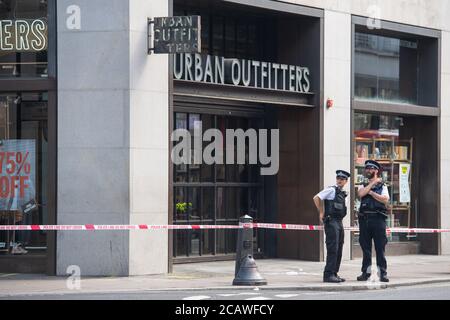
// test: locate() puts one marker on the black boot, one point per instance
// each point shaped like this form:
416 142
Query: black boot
332 279
340 279
384 278
363 277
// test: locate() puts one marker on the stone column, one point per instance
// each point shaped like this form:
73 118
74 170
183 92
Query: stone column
149 146
445 146
112 138
337 120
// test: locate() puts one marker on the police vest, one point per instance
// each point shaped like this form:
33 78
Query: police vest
370 205
336 208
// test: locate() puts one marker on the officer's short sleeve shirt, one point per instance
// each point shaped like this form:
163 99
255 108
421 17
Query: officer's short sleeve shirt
327 194
385 192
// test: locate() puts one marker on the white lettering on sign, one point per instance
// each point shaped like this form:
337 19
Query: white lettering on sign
177 34
23 30
241 72
23 35
6 35
39 39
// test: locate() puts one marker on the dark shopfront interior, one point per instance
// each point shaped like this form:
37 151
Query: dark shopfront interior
220 194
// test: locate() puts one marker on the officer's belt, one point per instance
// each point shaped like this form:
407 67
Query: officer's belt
333 217
372 214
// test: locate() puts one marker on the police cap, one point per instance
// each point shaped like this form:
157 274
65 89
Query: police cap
372 164
342 174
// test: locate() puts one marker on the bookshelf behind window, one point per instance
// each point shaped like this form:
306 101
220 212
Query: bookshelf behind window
390 153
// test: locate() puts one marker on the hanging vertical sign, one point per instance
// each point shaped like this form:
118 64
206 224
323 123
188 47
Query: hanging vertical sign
180 34
405 192
17 173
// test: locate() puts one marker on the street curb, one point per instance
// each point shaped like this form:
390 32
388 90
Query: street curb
325 288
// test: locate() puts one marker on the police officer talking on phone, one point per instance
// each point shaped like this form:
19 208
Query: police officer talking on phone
372 216
331 214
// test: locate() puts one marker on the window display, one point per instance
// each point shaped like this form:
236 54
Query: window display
23 171
377 137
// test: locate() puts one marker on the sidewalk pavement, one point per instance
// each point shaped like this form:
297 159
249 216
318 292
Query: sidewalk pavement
281 274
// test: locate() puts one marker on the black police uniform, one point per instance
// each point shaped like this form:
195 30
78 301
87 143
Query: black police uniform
372 225
335 211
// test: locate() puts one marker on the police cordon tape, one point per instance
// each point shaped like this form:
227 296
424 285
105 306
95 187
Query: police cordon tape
276 226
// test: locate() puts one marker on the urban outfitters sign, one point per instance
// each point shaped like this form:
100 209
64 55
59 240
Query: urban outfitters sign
23 35
241 72
176 34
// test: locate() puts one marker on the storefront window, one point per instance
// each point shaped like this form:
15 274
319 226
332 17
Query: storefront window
385 138
239 36
386 69
23 38
23 171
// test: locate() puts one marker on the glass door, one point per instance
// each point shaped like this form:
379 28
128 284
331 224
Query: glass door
215 193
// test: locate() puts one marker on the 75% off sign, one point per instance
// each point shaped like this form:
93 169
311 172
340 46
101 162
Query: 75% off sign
17 173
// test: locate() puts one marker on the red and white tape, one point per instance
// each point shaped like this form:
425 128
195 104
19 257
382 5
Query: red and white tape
314 228
283 226
91 227
277 226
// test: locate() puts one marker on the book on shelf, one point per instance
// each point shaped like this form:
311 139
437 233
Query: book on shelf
402 152
362 153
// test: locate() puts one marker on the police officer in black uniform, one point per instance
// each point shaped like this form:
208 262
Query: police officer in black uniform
372 216
331 214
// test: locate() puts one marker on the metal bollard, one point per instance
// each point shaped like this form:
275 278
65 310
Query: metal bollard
246 272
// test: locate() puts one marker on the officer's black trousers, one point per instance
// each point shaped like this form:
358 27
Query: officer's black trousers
373 226
334 239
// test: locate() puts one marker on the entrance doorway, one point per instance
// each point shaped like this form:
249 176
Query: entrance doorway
216 193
